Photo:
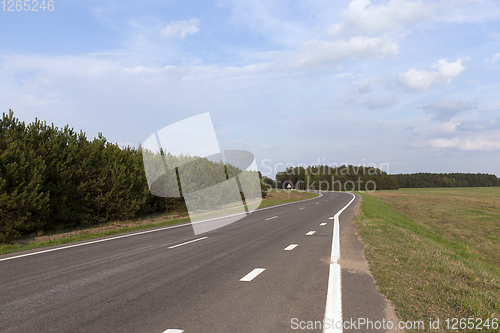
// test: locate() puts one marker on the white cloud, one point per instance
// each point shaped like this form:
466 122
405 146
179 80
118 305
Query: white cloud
482 125
267 147
223 130
317 53
469 11
473 82
366 86
494 58
449 127
335 29
180 29
479 143
290 24
381 102
278 21
367 18
414 80
446 109
57 89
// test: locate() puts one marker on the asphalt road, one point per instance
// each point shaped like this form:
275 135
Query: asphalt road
238 278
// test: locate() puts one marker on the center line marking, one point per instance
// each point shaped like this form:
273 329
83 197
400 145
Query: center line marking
322 223
250 276
270 218
191 241
302 208
290 247
310 233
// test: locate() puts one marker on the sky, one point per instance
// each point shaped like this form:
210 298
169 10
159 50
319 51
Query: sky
408 86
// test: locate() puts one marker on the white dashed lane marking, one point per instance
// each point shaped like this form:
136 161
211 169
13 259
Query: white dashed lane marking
290 247
250 276
194 240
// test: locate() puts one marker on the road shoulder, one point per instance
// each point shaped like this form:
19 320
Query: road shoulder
360 295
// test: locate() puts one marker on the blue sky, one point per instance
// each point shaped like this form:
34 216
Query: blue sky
414 85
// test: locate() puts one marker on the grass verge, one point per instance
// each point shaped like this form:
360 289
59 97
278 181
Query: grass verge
85 235
273 199
277 197
433 253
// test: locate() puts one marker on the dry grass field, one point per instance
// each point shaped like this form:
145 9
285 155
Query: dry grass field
436 253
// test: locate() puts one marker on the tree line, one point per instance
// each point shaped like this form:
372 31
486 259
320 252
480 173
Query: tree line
52 178
360 178
342 178
446 180
207 184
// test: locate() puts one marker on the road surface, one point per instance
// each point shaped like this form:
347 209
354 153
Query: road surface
268 272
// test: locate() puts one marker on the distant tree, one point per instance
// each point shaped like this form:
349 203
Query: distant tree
446 180
340 178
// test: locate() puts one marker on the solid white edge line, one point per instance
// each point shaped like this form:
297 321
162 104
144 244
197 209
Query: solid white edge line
191 241
270 218
252 275
116 237
333 309
289 203
148 231
310 233
290 247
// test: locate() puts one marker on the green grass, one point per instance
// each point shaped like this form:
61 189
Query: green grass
273 199
10 248
430 254
281 196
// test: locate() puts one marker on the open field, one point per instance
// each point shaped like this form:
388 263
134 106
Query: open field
119 227
436 252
